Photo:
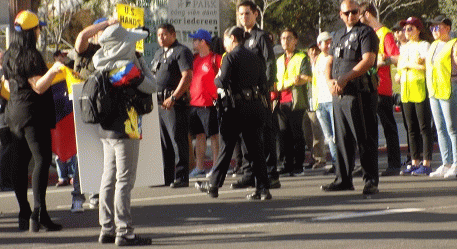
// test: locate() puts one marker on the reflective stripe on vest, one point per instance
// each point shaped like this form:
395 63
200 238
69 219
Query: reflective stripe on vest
439 72
412 81
286 76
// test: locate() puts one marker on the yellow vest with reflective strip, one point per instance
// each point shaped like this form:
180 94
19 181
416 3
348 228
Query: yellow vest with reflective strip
412 81
286 76
439 72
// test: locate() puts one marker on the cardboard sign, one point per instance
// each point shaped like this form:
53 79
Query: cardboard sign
90 150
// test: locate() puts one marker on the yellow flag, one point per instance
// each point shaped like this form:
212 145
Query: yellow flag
71 77
5 93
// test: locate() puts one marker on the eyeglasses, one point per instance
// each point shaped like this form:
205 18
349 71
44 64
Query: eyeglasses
287 38
408 29
435 28
353 12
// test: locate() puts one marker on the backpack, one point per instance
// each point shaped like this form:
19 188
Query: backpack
96 101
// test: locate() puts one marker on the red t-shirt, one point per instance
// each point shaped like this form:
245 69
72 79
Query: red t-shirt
286 95
385 79
202 88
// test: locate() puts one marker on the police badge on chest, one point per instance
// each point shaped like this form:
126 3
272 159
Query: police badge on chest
251 43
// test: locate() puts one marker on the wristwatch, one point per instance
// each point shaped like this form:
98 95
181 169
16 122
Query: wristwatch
173 98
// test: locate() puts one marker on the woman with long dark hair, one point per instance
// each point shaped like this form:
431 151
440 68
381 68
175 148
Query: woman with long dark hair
30 116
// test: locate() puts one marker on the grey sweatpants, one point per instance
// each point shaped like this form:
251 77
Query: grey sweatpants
119 174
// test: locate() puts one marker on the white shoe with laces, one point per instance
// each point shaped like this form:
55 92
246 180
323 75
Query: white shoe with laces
440 171
452 172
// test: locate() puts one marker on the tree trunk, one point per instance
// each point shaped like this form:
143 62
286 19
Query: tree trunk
15 7
236 8
35 5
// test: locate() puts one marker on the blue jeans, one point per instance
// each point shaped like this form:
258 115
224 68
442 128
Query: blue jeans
324 114
69 169
66 169
445 117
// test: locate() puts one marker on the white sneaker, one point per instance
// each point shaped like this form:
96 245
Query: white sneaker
209 174
77 206
440 171
93 203
452 172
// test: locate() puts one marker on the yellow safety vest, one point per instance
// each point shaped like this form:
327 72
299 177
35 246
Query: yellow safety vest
439 72
286 76
381 33
412 81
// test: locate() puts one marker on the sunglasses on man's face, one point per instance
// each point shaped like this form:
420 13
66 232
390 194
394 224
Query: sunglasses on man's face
409 29
353 12
435 28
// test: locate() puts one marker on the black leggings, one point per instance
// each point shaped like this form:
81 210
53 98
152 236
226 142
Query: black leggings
31 141
419 118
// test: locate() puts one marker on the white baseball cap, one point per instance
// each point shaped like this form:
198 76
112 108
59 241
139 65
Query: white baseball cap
324 36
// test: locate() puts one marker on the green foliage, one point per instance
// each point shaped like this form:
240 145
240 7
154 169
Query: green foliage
303 16
449 8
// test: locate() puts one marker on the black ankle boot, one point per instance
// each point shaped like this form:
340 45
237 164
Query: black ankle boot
41 218
24 217
35 220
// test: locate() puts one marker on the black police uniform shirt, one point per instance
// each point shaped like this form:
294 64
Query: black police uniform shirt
240 69
260 43
167 65
347 49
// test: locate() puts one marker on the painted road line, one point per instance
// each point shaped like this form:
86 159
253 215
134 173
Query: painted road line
29 192
169 197
351 215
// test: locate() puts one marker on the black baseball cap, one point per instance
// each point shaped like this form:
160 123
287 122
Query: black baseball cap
441 19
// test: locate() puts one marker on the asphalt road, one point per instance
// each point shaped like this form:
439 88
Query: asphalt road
409 212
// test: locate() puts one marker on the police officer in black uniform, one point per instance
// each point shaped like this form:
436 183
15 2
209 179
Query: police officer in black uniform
260 43
172 69
352 82
241 112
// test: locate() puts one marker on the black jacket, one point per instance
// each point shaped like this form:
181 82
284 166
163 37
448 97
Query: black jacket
260 43
241 69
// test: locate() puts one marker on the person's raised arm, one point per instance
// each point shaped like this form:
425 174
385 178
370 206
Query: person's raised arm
82 41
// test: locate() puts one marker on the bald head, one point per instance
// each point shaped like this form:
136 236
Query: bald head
349 12
351 3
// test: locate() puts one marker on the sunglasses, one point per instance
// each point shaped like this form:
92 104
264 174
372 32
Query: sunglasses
353 12
408 29
435 28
